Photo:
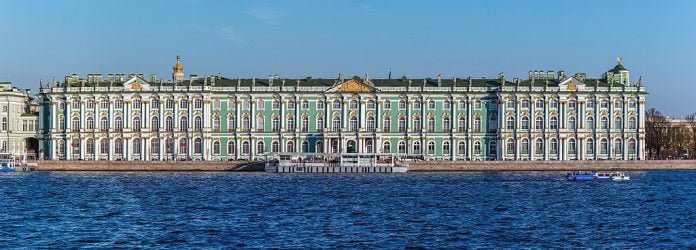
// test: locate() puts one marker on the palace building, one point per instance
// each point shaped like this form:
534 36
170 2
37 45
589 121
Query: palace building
545 116
18 121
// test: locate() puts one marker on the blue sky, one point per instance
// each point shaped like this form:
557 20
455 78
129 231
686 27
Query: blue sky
657 39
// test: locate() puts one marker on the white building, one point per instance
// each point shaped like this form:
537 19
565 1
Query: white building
18 124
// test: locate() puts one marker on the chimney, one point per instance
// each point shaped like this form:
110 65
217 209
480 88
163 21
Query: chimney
439 80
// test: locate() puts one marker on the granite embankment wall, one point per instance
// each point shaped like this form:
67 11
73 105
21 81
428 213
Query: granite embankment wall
420 166
149 166
423 166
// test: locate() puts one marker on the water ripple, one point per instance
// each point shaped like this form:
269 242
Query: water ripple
415 210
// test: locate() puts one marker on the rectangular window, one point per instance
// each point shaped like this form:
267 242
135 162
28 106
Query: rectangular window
387 104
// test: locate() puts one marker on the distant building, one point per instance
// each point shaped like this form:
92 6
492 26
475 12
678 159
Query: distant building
547 116
18 121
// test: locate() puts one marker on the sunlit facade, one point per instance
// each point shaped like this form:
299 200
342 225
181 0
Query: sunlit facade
546 116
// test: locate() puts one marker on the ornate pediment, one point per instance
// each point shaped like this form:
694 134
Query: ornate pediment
354 85
136 84
571 84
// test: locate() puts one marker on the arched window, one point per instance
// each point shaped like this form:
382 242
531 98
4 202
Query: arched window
401 147
371 124
304 146
75 123
524 146
320 123
61 147
387 124
104 146
431 124
553 146
370 104
246 126
276 104
118 147
230 148
572 146
304 124
493 148
416 104
337 123
446 124
154 146
275 124
275 147
618 149
431 148
589 147
198 123
632 123
336 104
477 148
603 146
155 123
319 147
290 148
447 104
540 103
353 104
402 124
136 123
90 146
216 147
525 122
539 147
246 149
290 123
462 124
539 122
462 105
260 148
305 104
618 123
510 122
169 146
510 147
169 123
417 124
90 122
604 124
183 146
632 146
416 147
183 123
571 123
136 146
525 104
368 146
431 104
118 123
386 147
197 146
260 123
590 122
353 123
461 148
477 124
553 122
216 123
75 146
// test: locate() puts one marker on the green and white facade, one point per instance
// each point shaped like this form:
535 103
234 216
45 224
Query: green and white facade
546 116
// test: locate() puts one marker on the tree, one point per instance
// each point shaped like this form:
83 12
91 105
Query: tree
691 120
656 128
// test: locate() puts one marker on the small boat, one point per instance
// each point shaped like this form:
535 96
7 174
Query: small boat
597 176
7 163
620 176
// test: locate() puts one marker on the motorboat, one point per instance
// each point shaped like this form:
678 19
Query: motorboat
597 176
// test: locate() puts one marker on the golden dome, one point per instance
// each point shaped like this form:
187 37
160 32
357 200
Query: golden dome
178 68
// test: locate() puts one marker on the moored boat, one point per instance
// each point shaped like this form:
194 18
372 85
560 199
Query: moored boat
8 163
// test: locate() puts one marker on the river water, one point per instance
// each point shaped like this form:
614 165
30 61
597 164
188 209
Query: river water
259 210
